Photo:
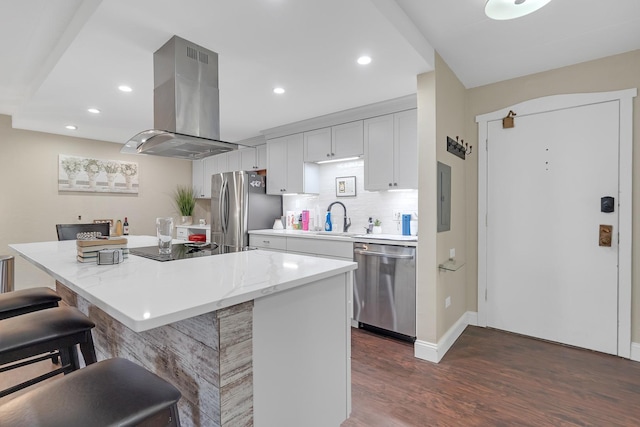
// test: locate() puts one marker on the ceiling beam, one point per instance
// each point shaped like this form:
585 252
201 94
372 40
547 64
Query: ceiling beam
392 11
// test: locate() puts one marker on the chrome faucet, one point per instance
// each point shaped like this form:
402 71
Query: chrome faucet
345 225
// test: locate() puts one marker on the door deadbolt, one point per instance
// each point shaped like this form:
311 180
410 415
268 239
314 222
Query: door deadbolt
607 204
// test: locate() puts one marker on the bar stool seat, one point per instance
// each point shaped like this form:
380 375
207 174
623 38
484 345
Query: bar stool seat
56 330
15 303
114 392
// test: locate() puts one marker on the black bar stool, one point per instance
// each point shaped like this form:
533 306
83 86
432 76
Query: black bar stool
53 331
15 303
114 392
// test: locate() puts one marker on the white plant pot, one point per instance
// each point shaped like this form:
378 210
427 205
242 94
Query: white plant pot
377 229
186 220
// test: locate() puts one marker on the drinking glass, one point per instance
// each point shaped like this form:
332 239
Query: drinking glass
164 228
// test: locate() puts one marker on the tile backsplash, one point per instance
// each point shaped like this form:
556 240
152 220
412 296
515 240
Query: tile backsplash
376 204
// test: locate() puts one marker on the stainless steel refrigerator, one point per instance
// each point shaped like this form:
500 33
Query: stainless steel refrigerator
239 203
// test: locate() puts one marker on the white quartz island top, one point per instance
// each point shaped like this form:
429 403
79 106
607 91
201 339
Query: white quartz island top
143 294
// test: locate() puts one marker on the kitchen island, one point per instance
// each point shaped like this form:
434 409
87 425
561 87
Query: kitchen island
252 338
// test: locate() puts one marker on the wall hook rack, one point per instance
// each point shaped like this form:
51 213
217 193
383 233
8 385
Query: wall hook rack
458 147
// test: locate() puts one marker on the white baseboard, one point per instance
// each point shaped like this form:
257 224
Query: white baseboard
635 351
435 352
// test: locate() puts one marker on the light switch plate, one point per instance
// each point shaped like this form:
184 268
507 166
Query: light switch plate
452 253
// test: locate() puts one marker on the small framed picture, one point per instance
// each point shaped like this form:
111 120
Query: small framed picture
346 186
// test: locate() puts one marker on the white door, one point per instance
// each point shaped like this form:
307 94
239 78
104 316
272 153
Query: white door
547 276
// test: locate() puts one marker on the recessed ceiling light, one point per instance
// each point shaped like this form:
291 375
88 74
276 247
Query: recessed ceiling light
278 90
125 88
364 60
93 110
71 127
510 9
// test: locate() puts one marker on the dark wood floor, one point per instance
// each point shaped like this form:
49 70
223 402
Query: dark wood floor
490 378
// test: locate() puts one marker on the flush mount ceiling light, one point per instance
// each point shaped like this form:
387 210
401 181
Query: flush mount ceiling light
125 88
510 9
278 90
364 60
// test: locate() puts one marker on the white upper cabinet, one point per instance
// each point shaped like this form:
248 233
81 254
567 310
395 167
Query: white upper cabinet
391 152
336 142
197 177
233 161
248 159
348 140
317 145
286 171
261 156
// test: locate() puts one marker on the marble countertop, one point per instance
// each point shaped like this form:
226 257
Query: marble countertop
385 239
143 294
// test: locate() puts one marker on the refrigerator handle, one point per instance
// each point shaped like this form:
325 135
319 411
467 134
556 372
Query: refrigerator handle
224 207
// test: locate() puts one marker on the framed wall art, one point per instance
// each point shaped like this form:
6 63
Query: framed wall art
84 174
346 186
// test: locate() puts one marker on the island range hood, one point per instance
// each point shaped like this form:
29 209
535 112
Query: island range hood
186 105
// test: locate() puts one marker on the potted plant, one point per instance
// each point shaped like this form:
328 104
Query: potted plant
185 200
377 227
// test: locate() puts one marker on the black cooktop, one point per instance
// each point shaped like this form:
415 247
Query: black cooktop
178 251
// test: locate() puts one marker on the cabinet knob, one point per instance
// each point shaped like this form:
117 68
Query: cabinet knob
395 184
333 154
390 185
328 154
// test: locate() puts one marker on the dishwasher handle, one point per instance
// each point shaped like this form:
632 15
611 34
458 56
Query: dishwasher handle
381 254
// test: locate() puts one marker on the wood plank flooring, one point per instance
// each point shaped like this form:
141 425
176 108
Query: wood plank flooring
490 378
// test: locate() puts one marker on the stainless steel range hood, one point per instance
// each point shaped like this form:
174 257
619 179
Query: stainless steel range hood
186 105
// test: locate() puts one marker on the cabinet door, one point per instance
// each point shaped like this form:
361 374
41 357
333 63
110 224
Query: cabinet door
248 159
233 161
378 153
405 158
197 177
261 156
277 165
348 140
221 163
210 168
295 164
317 145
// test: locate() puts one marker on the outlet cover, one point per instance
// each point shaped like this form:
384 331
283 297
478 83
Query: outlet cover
447 302
452 253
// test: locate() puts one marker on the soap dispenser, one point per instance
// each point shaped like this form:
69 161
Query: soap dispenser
327 222
370 226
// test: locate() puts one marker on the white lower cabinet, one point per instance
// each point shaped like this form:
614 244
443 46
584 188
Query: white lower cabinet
272 243
326 248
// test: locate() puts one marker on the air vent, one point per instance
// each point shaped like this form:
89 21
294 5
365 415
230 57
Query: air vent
192 53
204 58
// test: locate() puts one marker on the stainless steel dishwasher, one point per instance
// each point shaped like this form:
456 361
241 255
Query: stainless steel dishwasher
384 291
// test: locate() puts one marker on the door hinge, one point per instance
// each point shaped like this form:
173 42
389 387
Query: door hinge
485 294
486 145
486 220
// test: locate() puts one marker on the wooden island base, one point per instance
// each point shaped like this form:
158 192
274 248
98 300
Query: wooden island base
208 358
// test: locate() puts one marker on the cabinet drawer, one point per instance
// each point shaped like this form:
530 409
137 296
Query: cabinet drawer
329 248
268 242
182 233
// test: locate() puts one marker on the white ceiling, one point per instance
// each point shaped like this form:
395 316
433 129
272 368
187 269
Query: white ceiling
60 57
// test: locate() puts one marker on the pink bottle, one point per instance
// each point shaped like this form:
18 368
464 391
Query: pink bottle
305 220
